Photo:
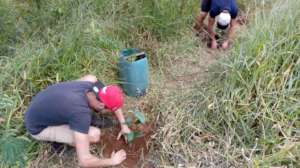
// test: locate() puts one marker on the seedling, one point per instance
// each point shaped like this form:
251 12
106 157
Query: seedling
134 134
139 119
140 116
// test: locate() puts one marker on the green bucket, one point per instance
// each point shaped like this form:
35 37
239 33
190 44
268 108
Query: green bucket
134 72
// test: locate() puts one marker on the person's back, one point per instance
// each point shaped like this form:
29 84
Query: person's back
218 7
63 103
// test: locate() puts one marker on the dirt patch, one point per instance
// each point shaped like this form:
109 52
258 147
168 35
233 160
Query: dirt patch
137 151
186 73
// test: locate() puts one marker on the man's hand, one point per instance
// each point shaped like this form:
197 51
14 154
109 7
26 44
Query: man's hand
124 130
214 44
118 158
225 44
124 127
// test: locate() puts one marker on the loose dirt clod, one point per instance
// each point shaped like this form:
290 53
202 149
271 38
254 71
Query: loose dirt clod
136 151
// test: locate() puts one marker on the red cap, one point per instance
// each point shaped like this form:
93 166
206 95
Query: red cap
112 97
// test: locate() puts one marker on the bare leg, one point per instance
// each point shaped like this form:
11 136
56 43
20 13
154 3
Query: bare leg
63 134
200 21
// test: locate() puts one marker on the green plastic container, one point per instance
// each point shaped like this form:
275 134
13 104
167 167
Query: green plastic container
134 72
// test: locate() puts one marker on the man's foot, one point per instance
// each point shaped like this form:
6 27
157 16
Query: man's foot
102 121
225 45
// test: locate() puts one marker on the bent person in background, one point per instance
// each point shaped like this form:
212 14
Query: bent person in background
62 113
226 12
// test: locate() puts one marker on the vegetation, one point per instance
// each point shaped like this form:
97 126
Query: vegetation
247 114
44 42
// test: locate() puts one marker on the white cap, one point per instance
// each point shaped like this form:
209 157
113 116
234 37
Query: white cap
224 19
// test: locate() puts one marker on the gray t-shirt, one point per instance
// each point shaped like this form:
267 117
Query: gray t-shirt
63 103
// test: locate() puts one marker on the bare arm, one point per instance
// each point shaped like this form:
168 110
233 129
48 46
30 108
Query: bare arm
210 28
86 159
231 34
211 32
120 116
93 102
200 21
232 30
122 121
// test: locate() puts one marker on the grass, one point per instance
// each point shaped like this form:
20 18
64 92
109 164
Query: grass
246 115
45 42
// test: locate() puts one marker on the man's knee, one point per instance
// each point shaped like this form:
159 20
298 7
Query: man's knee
202 16
94 134
89 78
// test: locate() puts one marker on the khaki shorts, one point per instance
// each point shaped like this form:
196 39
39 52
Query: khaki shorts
61 134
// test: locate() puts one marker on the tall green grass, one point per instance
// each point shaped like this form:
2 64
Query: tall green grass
251 118
248 114
45 42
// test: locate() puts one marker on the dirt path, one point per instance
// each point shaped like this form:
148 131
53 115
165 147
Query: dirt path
187 72
179 74
191 71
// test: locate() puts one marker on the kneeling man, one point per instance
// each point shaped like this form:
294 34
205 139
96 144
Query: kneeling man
62 113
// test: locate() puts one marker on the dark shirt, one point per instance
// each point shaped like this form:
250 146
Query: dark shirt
63 103
215 7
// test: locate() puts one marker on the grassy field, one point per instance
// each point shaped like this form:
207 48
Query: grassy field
246 114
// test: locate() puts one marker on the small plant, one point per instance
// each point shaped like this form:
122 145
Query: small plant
13 149
139 118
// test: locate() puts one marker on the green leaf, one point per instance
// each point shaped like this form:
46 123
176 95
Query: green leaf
140 116
130 137
129 121
133 135
137 134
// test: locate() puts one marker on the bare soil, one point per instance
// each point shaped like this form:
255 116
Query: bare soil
136 151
